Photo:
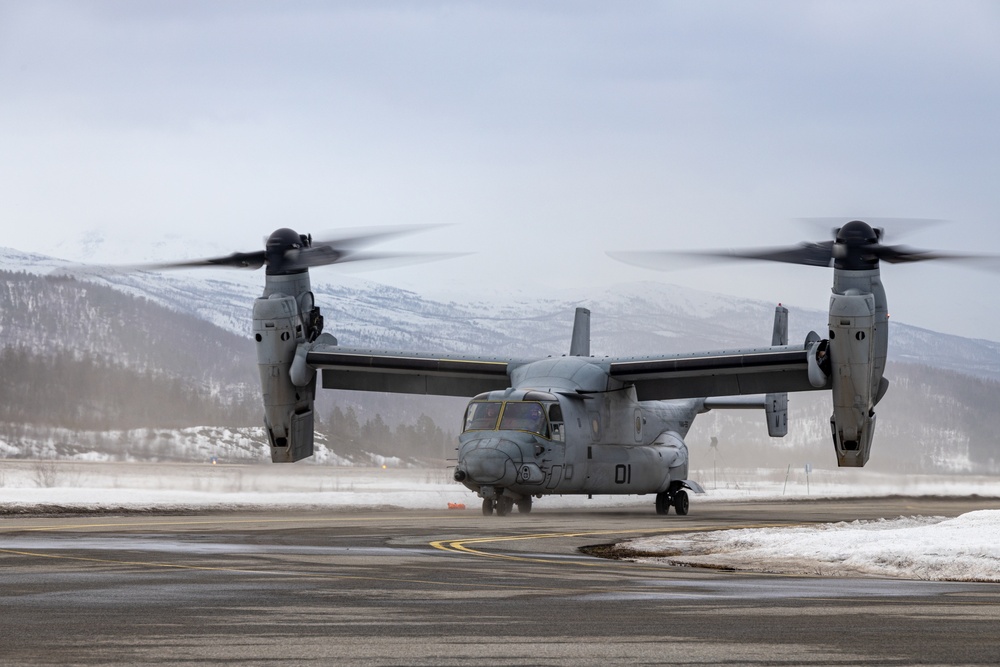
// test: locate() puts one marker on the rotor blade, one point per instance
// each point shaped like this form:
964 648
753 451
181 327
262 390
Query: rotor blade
325 256
660 260
359 237
899 226
237 260
808 254
902 255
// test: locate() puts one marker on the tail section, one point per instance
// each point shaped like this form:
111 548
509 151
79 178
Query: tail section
779 335
776 405
580 344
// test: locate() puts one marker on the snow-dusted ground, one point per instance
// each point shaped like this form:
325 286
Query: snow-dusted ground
769 483
965 548
102 485
31 485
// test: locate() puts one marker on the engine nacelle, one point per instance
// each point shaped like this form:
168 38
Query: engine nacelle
288 409
852 353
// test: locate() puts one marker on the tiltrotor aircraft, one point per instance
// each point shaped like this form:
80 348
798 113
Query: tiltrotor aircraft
580 424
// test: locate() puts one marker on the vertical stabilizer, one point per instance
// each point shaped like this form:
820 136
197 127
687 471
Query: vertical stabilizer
776 405
779 335
580 344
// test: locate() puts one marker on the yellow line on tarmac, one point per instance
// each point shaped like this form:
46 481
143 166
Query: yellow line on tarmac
462 545
472 585
108 561
201 522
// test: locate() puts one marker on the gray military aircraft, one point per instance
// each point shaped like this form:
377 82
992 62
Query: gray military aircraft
579 424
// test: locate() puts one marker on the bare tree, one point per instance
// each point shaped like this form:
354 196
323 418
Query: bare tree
46 473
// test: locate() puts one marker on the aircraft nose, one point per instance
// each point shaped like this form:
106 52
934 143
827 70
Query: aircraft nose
490 461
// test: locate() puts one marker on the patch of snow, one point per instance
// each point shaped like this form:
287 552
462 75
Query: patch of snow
730 484
8 450
96 484
966 548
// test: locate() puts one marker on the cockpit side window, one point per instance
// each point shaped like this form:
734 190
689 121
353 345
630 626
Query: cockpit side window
556 422
528 416
482 416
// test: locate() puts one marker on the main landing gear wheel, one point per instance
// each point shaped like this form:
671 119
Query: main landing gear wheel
663 501
487 507
504 505
681 502
524 505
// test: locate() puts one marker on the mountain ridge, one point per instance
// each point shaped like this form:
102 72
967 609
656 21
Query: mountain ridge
135 337
629 319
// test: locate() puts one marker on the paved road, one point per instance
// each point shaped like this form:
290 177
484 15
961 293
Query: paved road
457 588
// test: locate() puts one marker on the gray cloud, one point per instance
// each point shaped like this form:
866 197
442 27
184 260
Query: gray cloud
551 131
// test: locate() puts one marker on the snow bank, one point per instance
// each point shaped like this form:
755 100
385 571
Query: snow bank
26 485
773 484
966 548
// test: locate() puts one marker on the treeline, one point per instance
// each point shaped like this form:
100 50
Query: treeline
82 356
82 391
929 412
351 436
49 314
930 421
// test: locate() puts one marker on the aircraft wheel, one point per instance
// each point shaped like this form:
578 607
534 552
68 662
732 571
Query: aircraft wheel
504 505
524 505
487 506
681 502
663 503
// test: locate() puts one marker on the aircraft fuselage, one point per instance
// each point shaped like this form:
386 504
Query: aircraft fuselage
535 439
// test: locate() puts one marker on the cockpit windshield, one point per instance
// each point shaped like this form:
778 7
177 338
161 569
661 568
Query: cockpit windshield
482 416
507 416
524 417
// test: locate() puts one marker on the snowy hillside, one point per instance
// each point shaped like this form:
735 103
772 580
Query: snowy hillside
631 318
124 334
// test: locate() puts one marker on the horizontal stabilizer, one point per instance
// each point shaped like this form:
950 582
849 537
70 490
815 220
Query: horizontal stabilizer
775 405
735 403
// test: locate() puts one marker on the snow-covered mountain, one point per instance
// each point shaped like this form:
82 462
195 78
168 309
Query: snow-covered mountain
189 331
629 318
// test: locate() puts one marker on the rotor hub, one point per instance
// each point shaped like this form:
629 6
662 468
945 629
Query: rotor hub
856 247
280 245
857 233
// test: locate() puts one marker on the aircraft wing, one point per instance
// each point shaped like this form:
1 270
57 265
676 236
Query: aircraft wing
729 373
410 372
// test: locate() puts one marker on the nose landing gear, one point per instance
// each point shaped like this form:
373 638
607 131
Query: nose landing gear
502 505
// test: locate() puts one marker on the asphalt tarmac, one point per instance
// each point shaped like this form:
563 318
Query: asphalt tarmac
458 588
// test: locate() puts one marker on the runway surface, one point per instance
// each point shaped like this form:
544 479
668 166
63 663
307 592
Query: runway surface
458 588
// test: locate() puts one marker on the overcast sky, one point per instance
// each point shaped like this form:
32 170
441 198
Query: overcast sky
549 132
